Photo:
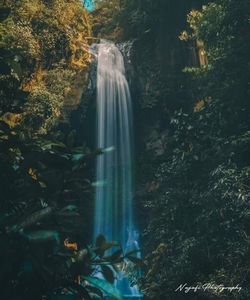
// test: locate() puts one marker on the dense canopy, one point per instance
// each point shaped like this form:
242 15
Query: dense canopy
187 65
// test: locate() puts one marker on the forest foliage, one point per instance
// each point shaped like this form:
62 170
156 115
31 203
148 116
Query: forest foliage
198 199
43 47
45 179
193 168
193 173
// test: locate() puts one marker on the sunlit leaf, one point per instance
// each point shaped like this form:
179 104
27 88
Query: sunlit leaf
11 119
32 174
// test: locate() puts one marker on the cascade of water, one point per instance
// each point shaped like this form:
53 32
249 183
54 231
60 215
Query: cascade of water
114 183
113 209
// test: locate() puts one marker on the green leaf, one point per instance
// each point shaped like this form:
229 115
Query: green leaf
95 296
105 286
33 218
16 67
48 145
43 236
93 291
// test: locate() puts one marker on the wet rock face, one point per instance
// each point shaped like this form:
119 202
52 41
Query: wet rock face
83 117
92 78
127 50
156 142
73 98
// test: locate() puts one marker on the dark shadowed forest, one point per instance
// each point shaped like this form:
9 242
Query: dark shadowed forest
178 158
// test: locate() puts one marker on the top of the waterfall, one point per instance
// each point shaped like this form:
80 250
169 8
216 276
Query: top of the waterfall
94 48
109 57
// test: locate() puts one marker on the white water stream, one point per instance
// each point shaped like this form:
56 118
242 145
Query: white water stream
114 170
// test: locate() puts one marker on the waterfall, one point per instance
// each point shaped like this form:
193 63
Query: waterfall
113 205
114 179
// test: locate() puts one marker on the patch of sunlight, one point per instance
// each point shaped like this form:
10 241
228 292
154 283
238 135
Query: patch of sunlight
89 5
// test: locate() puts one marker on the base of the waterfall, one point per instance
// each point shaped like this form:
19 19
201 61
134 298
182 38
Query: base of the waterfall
131 297
128 291
128 297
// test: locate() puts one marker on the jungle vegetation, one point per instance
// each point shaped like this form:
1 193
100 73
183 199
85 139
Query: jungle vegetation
190 86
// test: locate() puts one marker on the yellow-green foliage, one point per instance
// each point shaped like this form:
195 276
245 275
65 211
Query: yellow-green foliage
37 26
49 41
105 19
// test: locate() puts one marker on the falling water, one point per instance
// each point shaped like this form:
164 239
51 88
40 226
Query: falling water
114 182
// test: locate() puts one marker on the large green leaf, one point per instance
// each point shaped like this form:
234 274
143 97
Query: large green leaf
33 218
105 286
48 145
43 236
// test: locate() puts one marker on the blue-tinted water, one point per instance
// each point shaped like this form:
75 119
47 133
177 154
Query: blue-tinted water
114 169
89 5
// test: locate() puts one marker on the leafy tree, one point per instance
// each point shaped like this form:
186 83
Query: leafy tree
198 198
